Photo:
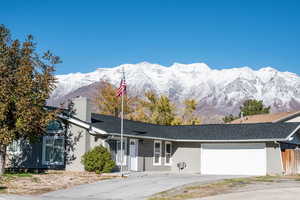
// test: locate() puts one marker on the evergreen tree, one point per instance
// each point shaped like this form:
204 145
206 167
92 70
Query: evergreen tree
249 107
254 107
26 81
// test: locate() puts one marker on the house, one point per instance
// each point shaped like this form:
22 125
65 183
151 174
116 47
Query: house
235 149
273 117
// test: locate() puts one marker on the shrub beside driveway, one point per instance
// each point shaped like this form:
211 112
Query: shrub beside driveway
30 183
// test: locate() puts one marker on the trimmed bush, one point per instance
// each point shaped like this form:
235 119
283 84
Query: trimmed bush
98 160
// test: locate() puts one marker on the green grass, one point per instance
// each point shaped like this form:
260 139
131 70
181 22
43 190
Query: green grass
17 175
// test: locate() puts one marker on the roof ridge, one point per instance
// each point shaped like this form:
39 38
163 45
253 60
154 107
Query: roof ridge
184 125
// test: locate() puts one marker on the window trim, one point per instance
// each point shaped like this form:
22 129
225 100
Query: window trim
170 143
44 162
160 152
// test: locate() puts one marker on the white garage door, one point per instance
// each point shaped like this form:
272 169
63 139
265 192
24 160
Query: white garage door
233 159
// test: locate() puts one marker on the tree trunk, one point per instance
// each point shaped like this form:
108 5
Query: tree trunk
2 158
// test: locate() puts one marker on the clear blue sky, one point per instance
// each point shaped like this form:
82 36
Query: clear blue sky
90 34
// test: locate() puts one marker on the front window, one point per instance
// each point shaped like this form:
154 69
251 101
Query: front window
157 153
53 150
14 147
168 152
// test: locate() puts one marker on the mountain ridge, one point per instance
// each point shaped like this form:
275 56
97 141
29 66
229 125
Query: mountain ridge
219 91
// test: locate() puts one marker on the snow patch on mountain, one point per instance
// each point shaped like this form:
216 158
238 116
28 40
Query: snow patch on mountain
218 91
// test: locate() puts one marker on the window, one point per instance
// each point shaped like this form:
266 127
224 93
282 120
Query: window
118 154
53 150
168 152
157 153
54 127
14 147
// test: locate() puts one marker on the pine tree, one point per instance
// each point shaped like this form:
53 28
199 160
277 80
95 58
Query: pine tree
26 81
254 107
249 107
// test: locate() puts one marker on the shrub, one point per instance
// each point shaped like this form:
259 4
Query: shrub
98 160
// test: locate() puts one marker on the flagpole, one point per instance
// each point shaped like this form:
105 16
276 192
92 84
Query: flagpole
122 117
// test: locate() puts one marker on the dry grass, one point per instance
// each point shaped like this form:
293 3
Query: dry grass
27 183
219 187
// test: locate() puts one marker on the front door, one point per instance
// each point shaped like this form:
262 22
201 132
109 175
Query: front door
133 154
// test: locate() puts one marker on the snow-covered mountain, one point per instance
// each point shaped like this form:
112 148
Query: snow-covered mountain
219 91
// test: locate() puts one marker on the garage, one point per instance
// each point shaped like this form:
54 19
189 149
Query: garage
233 159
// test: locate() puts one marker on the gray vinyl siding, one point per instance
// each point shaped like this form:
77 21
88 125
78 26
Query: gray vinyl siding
77 148
189 153
145 157
80 139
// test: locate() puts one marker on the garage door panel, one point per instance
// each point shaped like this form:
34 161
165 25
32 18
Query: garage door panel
233 159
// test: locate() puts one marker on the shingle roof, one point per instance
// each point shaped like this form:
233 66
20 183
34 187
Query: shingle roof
259 131
262 118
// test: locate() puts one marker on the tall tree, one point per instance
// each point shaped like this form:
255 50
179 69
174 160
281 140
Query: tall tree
159 109
26 81
254 107
249 107
109 104
189 116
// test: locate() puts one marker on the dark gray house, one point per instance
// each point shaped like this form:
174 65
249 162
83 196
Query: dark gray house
243 149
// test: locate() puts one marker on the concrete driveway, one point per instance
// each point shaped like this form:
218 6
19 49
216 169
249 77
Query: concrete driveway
136 187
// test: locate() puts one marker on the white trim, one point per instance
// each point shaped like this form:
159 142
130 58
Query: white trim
86 125
290 135
170 143
44 162
76 121
160 152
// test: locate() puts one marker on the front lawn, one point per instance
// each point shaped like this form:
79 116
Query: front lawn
38 183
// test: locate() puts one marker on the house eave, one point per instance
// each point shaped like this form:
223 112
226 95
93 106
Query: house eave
203 141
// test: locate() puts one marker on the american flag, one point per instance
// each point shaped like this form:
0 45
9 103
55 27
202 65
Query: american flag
122 89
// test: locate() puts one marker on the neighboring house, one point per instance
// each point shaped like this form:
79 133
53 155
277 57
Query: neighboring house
243 149
273 117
